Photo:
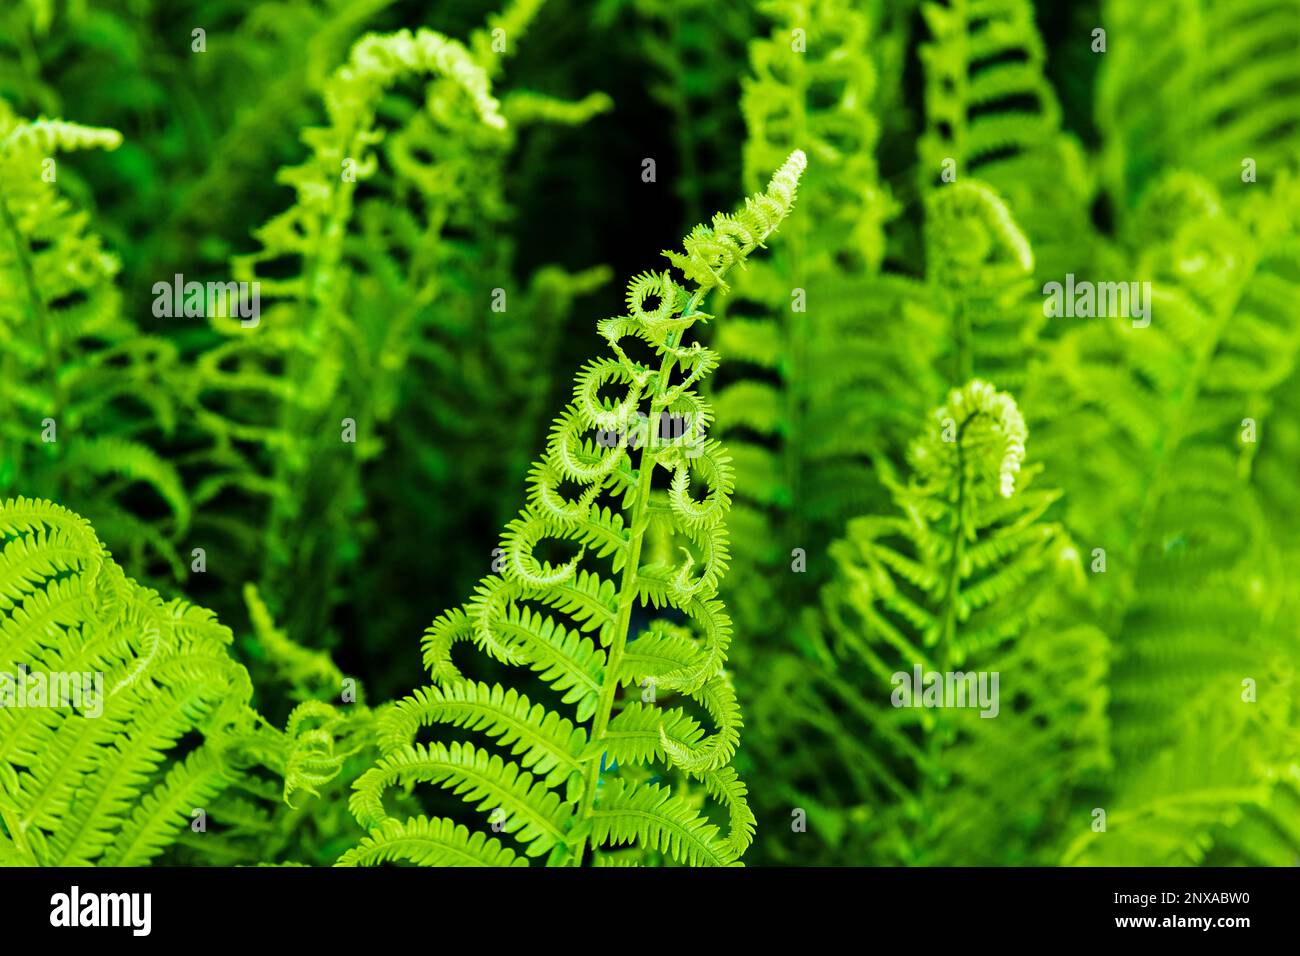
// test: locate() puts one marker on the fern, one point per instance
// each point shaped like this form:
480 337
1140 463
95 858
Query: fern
398 278
155 733
82 391
792 353
834 395
1226 773
836 388
968 575
437 253
105 785
1191 585
991 114
1232 69
822 468
554 791
280 439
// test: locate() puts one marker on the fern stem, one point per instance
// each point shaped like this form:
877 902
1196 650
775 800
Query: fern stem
49 339
797 339
965 359
628 589
943 656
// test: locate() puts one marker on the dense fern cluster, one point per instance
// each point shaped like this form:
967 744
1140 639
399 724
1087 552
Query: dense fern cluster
975 493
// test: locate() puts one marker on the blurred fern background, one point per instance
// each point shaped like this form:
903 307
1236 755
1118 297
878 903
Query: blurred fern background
910 463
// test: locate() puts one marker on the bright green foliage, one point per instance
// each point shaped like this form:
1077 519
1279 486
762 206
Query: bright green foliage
471 404
1229 83
927 465
991 114
96 772
1195 588
1221 794
379 308
281 389
789 335
100 785
849 350
847 358
978 264
966 575
560 785
79 384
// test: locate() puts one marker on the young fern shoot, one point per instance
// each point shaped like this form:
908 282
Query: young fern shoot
81 389
968 576
567 786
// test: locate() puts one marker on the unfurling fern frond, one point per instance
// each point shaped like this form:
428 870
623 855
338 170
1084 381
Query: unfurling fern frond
276 397
991 114
844 359
965 584
978 265
571 605
388 278
81 390
438 276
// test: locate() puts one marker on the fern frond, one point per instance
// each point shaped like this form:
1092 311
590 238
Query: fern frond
786 333
1231 70
124 719
1227 765
80 387
289 358
537 611
1164 406
89 777
991 114
970 579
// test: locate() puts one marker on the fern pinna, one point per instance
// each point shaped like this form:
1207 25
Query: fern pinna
570 788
